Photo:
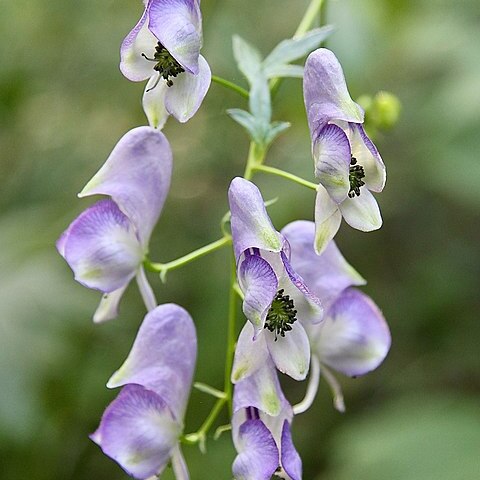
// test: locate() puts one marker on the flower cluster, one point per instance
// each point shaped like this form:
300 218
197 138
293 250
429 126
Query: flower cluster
304 313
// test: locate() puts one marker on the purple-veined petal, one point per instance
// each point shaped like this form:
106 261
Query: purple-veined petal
260 390
108 306
259 285
162 357
328 274
138 431
178 26
327 219
258 456
250 354
137 177
354 338
331 153
101 247
250 223
325 92
291 353
153 102
140 40
184 97
368 157
362 212
290 459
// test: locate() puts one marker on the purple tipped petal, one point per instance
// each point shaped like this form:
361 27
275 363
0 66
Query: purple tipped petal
331 152
257 457
251 225
184 98
325 92
137 176
327 219
291 353
367 155
328 274
162 357
290 459
259 285
362 212
140 40
101 247
108 307
178 26
138 431
354 338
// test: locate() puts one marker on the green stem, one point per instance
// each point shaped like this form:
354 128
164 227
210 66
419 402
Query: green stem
256 156
287 175
230 85
163 268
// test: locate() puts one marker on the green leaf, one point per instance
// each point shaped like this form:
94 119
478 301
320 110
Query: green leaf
248 58
276 128
259 100
247 121
293 71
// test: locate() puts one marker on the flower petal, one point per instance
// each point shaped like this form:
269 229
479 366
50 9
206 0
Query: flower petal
325 92
101 247
327 219
138 431
250 354
259 285
108 307
290 459
153 102
163 356
260 390
250 223
178 26
137 176
367 155
362 212
328 274
354 338
291 353
184 97
140 40
257 457
331 153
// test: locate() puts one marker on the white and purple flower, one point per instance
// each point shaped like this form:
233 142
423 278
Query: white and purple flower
274 294
347 163
141 428
164 47
107 243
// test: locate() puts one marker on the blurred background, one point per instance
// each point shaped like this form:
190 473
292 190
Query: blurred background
64 105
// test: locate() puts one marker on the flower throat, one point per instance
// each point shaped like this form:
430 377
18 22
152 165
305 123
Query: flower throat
281 315
355 176
165 65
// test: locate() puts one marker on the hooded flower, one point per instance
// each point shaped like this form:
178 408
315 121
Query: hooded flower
261 429
106 244
347 163
140 429
354 338
274 294
164 47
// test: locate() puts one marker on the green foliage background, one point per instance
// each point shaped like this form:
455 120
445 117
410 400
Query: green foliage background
63 106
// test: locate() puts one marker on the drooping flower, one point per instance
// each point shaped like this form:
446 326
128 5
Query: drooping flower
347 163
106 244
274 294
354 337
261 429
140 429
164 47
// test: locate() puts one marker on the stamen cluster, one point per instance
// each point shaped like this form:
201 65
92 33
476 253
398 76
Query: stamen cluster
165 65
355 177
282 314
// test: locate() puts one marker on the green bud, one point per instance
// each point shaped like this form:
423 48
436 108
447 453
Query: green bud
381 111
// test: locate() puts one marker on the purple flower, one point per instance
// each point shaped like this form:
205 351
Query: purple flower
354 338
140 429
274 294
106 244
164 46
261 429
347 163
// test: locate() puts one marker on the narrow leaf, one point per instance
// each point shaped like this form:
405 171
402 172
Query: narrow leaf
293 71
248 58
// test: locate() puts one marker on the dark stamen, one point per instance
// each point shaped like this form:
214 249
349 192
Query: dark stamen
282 315
165 65
356 174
